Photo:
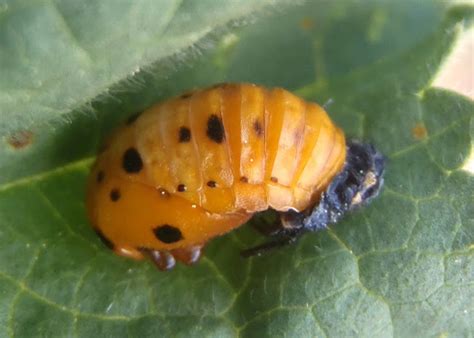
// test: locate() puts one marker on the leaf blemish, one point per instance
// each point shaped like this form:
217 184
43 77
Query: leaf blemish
419 132
306 23
20 139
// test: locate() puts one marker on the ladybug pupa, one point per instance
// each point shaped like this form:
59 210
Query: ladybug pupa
201 164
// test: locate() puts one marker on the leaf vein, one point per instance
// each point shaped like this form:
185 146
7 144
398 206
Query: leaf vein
56 212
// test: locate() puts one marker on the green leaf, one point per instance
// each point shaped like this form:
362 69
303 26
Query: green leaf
401 267
58 55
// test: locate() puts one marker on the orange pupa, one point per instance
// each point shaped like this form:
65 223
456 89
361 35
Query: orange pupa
199 165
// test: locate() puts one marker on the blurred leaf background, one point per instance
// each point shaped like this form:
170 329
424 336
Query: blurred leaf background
72 71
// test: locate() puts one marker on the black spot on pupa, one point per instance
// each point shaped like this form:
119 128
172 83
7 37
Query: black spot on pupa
114 195
215 129
107 242
257 126
212 184
132 118
167 233
274 179
181 188
100 176
244 179
132 162
184 134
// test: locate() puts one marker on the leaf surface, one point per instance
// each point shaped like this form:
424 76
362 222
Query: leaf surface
401 267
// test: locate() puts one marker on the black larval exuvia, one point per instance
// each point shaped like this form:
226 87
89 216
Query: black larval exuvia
357 184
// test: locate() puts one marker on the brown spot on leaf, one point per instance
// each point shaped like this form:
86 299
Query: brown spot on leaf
419 131
307 23
20 139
